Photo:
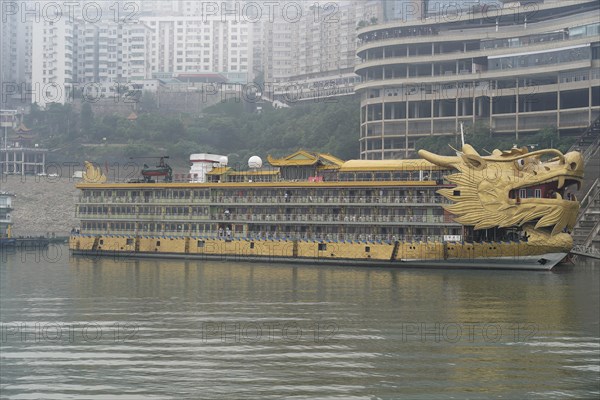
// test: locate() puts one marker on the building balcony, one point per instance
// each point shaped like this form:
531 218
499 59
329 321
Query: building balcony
369 83
470 34
461 55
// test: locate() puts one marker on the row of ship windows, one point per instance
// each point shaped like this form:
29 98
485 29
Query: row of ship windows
405 234
292 200
285 195
258 230
231 213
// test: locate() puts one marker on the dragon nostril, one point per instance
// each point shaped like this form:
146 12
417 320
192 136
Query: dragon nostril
573 166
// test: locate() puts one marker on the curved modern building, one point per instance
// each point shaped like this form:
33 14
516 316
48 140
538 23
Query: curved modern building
518 68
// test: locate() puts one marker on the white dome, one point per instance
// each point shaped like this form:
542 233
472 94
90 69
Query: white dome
255 162
223 160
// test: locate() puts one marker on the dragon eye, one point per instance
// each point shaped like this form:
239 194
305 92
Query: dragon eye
521 162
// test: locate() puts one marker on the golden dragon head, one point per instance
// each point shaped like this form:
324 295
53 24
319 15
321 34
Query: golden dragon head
512 188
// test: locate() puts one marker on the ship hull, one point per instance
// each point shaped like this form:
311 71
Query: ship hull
380 254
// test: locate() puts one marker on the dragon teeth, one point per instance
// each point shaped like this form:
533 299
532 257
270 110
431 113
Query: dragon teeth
561 182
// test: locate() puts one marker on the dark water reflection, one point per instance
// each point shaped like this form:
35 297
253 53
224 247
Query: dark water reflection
115 329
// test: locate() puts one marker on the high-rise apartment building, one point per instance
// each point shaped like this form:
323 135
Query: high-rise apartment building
76 57
314 56
110 53
518 69
15 56
199 45
54 55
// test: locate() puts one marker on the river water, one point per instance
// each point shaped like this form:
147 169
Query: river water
104 328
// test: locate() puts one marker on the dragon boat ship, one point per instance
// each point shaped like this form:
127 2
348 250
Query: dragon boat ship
510 209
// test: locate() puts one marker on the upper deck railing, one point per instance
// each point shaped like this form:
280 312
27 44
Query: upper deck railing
289 200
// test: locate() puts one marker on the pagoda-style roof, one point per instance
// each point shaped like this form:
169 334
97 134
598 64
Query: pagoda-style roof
22 128
219 171
303 158
19 136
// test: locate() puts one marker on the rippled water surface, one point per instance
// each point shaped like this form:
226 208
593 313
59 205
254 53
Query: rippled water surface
161 329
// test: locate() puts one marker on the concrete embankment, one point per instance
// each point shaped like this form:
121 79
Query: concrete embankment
43 205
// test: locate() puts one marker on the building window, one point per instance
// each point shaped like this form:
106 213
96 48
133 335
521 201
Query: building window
523 193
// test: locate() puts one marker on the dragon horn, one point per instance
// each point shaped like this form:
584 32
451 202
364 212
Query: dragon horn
442 161
468 149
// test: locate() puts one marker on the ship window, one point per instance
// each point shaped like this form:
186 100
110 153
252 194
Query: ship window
367 249
101 241
129 242
322 247
456 193
538 193
523 193
158 242
251 245
201 243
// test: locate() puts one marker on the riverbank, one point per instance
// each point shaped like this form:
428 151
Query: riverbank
42 205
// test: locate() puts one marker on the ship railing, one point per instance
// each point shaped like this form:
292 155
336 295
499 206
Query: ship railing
269 200
292 199
431 219
278 235
285 236
393 219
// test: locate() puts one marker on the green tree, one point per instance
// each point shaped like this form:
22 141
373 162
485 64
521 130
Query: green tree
86 120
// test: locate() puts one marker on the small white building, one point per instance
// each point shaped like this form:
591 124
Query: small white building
203 163
5 213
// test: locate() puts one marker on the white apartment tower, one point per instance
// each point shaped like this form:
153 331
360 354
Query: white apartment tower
184 45
89 57
110 53
53 53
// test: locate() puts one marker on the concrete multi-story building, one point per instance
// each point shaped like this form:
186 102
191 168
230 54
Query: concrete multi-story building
109 54
519 69
199 45
54 52
315 56
15 56
77 56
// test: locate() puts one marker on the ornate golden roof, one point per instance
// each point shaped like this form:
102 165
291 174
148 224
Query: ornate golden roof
305 158
219 171
22 128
